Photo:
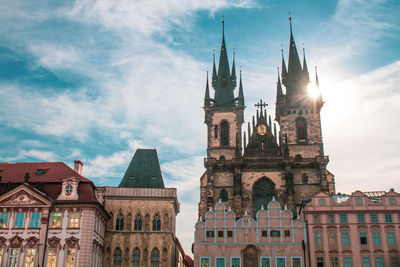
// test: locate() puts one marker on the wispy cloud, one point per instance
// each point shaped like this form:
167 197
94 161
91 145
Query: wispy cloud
36 155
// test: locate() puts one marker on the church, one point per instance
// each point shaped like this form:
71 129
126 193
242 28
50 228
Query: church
259 177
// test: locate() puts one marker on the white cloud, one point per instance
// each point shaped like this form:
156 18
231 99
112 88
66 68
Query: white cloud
35 155
54 56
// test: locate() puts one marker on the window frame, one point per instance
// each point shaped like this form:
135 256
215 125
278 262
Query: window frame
296 257
376 236
343 218
71 218
52 256
19 222
205 258
11 256
374 218
388 218
59 224
280 258
4 219
35 220
28 256
344 261
363 235
345 236
360 218
72 256
265 258
391 238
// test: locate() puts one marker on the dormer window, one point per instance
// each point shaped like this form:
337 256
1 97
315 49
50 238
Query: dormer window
68 189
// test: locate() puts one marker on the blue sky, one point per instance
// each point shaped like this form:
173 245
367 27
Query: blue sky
94 80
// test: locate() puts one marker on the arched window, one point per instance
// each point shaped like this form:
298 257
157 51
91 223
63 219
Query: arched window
119 225
301 127
138 222
155 257
223 195
117 258
156 222
136 258
224 133
263 191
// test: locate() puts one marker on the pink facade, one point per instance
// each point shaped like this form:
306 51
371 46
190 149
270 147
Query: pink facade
50 216
362 229
273 238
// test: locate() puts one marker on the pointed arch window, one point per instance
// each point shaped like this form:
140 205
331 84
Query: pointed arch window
301 128
223 195
138 222
136 258
155 257
224 133
156 222
119 226
117 257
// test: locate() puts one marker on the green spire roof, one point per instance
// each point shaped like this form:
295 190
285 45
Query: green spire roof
233 73
207 94
144 171
284 70
294 60
241 95
306 75
279 92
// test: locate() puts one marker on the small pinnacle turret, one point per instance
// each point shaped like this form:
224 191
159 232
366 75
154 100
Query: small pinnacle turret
241 95
284 70
233 73
306 75
207 94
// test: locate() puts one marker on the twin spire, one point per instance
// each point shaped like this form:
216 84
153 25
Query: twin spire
224 81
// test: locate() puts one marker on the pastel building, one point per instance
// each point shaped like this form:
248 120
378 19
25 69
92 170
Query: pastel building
357 230
50 215
272 238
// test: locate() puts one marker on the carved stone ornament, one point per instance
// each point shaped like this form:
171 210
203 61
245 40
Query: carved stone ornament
72 242
32 242
22 198
2 242
54 242
16 242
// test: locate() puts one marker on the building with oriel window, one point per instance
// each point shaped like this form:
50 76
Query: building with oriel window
50 215
143 212
357 230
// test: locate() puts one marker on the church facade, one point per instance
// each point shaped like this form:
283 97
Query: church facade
247 171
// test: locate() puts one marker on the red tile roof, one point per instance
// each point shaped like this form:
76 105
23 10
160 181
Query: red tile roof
49 176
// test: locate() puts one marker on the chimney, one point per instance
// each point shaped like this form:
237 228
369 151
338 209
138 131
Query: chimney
78 165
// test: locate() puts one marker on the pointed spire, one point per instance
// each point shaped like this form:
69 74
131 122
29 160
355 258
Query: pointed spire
207 94
241 95
294 61
306 75
279 92
233 72
214 72
316 78
284 71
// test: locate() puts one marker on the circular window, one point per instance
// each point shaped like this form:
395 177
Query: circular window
322 202
68 189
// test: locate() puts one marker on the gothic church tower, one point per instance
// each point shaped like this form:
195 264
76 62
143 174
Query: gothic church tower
247 171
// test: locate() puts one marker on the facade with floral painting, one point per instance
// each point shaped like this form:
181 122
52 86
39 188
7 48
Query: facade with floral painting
50 215
273 238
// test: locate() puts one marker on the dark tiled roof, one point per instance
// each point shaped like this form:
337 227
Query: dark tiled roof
45 177
144 171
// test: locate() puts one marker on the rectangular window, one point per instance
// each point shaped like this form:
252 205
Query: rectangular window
287 233
361 218
391 239
296 262
230 233
275 233
52 257
376 238
331 218
388 218
365 262
19 220
30 257
334 261
343 218
394 261
74 220
220 262
317 218
320 262
264 233
3 220
13 257
280 262
318 239
204 262
347 262
345 238
210 233
332 239
56 220
35 217
379 262
235 262
265 262
363 238
374 218
220 233
70 257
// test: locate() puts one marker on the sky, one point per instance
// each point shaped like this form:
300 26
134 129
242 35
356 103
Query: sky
95 80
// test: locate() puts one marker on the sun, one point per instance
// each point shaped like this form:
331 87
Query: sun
313 90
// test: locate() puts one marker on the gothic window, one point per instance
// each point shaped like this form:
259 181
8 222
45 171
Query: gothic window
138 222
119 225
224 133
136 258
156 222
117 257
223 195
155 257
263 191
301 127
